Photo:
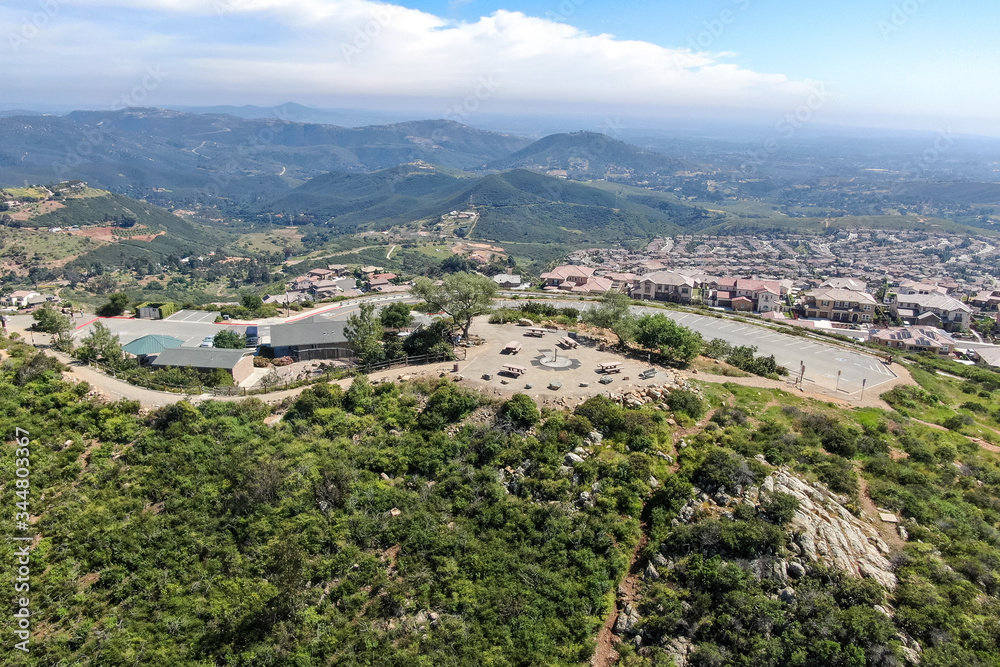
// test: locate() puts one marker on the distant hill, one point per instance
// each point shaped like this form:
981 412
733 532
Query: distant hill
588 155
128 231
175 158
290 111
351 201
523 205
519 205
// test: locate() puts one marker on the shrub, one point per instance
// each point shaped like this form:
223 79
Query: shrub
521 410
779 508
958 422
283 361
729 416
686 402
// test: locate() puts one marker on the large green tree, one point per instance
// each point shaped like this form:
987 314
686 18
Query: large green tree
228 339
613 313
675 342
396 316
364 334
48 320
116 305
463 296
101 345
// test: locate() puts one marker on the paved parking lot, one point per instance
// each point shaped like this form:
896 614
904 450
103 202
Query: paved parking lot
193 316
822 360
192 326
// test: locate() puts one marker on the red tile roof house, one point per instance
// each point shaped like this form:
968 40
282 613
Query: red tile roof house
764 295
575 279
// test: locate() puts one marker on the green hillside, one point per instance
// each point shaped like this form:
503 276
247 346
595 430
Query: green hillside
588 154
523 205
348 201
131 217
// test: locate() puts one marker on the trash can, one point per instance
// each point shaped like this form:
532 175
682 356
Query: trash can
454 368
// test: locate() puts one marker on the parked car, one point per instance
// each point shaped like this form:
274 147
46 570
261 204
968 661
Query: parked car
251 336
208 341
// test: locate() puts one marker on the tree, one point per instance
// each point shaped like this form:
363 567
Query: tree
116 305
364 334
613 314
251 302
101 345
227 339
432 339
396 316
47 320
270 380
521 411
675 342
463 296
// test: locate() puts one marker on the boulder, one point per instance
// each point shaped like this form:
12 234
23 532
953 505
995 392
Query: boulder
573 459
787 595
795 570
651 574
627 619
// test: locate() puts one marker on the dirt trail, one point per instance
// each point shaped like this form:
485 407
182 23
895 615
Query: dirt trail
979 441
886 531
606 655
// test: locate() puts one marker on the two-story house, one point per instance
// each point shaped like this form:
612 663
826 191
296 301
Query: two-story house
664 286
570 278
745 294
839 305
936 309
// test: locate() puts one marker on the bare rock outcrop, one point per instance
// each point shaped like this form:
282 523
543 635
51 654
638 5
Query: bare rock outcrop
826 532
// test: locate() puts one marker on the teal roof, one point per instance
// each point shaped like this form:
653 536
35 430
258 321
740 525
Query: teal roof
152 344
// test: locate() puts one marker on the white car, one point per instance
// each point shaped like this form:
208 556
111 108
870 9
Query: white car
208 342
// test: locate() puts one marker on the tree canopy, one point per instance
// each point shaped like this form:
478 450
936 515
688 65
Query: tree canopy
115 306
364 334
227 339
461 295
613 314
675 342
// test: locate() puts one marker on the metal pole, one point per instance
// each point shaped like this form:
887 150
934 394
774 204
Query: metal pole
838 380
863 382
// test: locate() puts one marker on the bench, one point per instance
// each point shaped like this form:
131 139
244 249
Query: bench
648 373
612 367
511 369
512 347
568 343
536 332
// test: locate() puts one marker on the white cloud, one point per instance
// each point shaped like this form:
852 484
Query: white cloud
357 47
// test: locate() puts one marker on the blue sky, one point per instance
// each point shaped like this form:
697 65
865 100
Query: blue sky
909 64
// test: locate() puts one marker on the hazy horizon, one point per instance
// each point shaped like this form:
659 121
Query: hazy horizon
896 65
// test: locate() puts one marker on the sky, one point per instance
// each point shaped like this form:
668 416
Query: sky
906 64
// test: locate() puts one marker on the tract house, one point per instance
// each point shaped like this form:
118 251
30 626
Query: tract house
838 304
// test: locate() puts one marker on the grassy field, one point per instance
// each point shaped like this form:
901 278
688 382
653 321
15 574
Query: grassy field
270 241
50 249
35 194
